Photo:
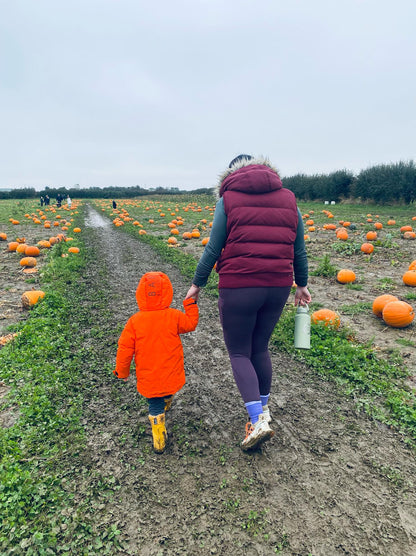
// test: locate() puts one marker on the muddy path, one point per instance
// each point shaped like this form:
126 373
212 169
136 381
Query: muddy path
331 482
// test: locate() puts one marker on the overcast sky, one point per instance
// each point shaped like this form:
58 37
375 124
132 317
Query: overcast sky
166 93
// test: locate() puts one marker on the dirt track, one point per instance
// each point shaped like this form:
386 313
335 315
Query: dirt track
330 482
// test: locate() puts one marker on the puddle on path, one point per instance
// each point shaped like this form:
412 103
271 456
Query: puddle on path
95 220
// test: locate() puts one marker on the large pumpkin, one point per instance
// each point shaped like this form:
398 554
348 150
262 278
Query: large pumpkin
409 278
371 236
398 314
32 251
342 234
28 261
367 248
346 276
12 246
380 302
21 248
31 297
326 316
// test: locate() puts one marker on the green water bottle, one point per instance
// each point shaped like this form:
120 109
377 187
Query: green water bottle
302 328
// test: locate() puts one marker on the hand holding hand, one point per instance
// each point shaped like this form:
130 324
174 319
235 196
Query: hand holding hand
302 296
193 292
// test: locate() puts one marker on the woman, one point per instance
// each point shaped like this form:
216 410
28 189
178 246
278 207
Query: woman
257 242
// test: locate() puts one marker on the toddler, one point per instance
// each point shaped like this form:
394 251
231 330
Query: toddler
151 336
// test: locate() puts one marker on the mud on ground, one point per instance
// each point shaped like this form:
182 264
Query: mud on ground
331 482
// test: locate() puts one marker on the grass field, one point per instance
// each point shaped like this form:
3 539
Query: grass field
48 497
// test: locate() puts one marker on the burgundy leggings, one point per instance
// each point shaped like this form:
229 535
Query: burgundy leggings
248 317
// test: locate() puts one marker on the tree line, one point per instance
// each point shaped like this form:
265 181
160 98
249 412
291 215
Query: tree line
381 184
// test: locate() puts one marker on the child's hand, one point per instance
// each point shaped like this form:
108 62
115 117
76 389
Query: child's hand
125 379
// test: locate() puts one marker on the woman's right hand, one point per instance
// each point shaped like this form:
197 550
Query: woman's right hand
302 296
193 292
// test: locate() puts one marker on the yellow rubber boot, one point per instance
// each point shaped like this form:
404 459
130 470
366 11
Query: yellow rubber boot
159 432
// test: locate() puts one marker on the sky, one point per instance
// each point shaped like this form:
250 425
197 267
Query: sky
166 93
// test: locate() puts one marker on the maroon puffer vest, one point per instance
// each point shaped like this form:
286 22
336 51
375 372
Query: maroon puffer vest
262 221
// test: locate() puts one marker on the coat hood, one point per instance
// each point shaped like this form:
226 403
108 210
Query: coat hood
154 292
266 179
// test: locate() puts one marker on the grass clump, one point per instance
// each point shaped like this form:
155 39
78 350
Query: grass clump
325 268
360 307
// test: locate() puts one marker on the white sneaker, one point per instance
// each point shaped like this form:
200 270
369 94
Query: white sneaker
257 434
266 413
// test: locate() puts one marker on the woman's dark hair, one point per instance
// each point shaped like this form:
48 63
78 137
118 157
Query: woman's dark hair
239 158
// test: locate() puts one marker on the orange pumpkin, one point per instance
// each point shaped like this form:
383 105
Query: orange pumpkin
31 297
21 248
380 302
391 222
398 314
406 229
371 236
12 246
367 248
77 230
32 251
378 225
187 235
409 278
328 317
342 235
44 243
409 235
205 240
73 250
412 265
172 240
3 236
346 276
28 261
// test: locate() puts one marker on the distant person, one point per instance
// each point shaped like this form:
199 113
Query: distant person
47 200
114 205
42 200
69 202
258 244
152 337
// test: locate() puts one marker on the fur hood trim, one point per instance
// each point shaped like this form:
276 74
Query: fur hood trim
260 160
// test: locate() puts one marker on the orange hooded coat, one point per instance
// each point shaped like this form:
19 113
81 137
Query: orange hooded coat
152 337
